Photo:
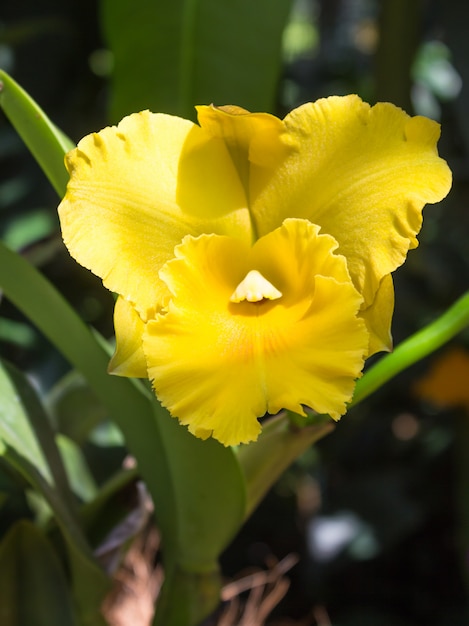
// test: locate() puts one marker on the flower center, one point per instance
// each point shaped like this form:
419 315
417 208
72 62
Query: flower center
255 288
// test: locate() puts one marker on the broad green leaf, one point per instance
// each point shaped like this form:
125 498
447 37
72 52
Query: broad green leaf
46 143
27 444
33 587
209 495
17 400
89 583
208 489
170 56
79 476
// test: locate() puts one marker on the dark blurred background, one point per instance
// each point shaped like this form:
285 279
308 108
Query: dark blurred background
378 512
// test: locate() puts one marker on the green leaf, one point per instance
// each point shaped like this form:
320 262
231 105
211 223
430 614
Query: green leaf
209 497
101 514
79 476
46 143
26 230
16 431
208 488
89 582
33 587
75 408
279 444
27 444
170 56
186 598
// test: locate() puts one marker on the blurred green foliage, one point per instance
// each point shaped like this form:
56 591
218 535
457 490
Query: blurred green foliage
170 56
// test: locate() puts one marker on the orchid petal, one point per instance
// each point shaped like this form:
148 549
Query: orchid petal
363 174
219 365
129 358
136 190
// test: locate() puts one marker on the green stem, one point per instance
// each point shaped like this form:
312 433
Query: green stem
416 347
186 598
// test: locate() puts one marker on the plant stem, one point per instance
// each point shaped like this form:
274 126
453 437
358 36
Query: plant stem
416 347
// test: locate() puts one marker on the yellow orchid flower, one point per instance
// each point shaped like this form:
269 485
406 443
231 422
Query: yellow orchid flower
252 255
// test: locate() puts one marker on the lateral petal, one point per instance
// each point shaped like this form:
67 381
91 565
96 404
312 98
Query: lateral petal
137 189
361 173
129 358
